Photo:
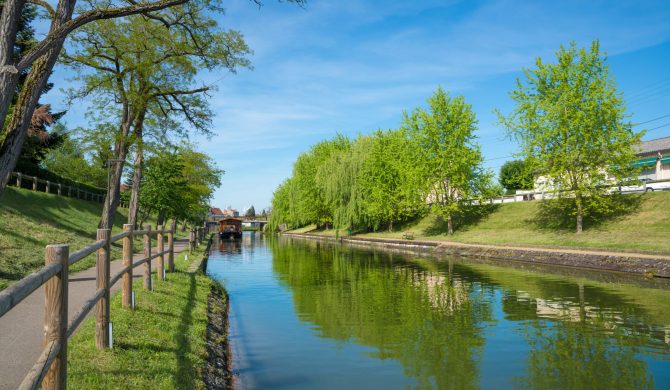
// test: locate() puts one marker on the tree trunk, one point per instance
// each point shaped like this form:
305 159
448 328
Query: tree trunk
580 212
135 190
9 75
390 226
161 218
17 126
113 196
450 224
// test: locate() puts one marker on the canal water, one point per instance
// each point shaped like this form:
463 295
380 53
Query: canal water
314 315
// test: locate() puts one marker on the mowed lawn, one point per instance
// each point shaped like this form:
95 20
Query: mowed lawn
31 220
159 345
646 228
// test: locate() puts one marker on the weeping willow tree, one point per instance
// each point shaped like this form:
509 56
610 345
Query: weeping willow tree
390 180
339 180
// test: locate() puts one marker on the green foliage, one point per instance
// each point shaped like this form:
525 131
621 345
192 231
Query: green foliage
251 212
516 175
387 177
70 160
449 157
571 125
179 184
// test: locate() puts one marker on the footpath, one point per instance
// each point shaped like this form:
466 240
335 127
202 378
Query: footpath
21 328
648 264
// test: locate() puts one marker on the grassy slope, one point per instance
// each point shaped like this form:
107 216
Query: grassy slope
646 229
31 220
159 345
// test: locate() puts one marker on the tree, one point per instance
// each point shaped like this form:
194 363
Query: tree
516 175
570 123
149 67
251 212
449 157
41 58
389 179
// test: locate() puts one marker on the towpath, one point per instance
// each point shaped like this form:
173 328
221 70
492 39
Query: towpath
21 328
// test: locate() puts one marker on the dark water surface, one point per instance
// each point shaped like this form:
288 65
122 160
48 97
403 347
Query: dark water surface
314 315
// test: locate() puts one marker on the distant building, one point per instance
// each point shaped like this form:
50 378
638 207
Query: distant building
215 214
654 159
230 212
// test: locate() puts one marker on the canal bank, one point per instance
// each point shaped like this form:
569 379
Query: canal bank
648 264
175 338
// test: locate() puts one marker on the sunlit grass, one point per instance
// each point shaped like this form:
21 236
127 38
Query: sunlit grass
159 345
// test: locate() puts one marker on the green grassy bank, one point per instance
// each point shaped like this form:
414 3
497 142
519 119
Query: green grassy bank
159 345
645 228
31 220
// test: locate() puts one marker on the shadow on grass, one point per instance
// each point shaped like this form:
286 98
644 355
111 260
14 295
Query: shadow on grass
470 216
560 214
184 377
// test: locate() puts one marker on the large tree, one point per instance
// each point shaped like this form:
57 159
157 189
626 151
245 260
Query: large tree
148 66
42 57
571 125
39 61
450 160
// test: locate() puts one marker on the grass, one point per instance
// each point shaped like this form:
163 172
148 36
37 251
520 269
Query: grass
31 220
159 345
644 229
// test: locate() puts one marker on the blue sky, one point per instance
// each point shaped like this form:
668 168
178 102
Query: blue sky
354 66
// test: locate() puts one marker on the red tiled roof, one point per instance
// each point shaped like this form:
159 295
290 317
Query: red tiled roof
215 211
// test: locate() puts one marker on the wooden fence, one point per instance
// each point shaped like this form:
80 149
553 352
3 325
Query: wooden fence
56 188
50 370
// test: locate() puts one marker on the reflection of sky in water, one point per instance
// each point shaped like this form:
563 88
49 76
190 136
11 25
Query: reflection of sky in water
312 315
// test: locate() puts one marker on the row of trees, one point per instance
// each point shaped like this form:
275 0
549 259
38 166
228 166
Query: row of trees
137 64
388 176
569 121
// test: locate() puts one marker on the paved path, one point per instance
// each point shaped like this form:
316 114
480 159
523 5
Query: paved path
21 328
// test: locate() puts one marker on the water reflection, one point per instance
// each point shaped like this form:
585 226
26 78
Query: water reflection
436 319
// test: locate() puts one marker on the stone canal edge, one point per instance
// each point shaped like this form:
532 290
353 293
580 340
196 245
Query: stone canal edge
647 264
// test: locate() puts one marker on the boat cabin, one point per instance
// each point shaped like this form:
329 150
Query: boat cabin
230 228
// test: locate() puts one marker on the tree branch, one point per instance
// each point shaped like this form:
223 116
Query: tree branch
61 32
45 5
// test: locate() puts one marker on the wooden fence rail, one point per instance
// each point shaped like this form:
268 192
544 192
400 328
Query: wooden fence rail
60 189
50 369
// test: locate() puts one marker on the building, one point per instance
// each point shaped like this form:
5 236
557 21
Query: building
215 214
231 213
654 159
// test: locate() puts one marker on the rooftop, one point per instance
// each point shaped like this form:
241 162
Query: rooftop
654 145
215 211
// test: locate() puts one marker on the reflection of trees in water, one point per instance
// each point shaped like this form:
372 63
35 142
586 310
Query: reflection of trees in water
574 355
428 315
430 323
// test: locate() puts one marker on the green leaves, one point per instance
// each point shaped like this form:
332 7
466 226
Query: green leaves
571 125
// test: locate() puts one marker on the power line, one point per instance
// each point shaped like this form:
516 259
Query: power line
658 127
651 120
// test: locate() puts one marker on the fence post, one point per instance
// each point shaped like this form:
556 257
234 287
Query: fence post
60 188
171 248
48 189
127 293
69 191
147 256
191 240
34 183
102 281
55 315
18 180
159 249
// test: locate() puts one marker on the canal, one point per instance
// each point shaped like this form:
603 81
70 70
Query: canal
314 315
